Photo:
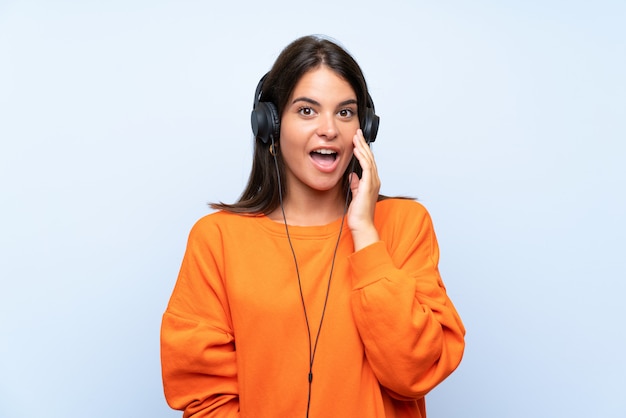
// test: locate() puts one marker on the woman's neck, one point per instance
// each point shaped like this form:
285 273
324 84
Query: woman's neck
311 209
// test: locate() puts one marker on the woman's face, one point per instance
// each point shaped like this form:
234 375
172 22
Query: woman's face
317 128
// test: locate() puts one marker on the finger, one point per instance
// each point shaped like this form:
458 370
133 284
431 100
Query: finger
360 141
364 153
354 183
361 149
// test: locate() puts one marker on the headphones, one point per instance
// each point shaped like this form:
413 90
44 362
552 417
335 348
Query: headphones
266 121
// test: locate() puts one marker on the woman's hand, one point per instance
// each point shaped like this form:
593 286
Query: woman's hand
364 196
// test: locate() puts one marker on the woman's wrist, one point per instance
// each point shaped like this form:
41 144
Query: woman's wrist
364 237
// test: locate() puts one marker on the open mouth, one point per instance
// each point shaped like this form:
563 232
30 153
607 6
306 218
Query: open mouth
324 156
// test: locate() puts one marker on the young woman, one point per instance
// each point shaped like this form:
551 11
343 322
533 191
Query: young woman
312 295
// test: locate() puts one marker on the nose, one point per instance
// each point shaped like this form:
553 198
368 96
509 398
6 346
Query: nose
327 126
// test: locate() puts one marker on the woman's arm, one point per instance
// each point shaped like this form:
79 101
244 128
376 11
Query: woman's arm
413 336
197 343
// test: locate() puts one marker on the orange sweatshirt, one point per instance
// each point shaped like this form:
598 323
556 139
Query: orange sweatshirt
234 339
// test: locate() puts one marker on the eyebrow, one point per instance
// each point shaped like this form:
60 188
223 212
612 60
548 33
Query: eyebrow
316 103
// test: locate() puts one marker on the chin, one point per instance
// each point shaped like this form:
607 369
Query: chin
327 187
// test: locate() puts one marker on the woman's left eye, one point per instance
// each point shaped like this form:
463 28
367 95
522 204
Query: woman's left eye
346 113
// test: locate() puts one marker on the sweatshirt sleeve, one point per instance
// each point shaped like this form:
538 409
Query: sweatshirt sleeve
412 334
197 343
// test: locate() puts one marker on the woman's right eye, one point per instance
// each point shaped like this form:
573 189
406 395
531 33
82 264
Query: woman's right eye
305 111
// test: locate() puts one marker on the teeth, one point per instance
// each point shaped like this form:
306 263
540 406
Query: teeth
324 151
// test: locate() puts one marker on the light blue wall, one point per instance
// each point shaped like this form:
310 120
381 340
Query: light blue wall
120 120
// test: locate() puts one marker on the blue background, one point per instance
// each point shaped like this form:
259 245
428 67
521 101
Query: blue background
121 120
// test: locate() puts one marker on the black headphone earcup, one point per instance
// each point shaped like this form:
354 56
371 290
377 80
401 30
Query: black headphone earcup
370 125
265 122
